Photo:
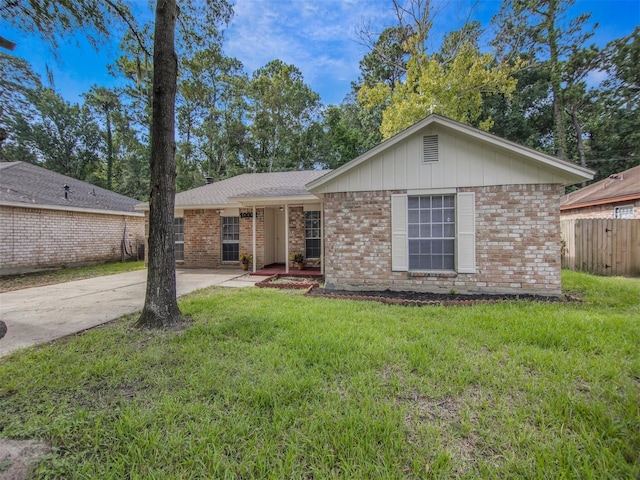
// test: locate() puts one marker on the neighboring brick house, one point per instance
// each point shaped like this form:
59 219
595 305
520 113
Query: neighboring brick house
49 220
617 196
439 207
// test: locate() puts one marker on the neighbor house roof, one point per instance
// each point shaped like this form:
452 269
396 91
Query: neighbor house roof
570 172
26 185
619 187
248 187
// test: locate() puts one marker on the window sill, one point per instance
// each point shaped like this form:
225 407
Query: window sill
434 273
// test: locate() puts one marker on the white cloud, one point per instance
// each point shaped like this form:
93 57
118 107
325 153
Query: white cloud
318 37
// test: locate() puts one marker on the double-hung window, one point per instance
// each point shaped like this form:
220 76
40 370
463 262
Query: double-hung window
432 232
178 238
230 239
312 234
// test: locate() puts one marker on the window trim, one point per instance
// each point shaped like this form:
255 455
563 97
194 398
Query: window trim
616 211
319 237
465 245
178 221
224 241
423 226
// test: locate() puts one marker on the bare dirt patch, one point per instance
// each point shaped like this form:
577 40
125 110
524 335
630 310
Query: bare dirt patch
18 457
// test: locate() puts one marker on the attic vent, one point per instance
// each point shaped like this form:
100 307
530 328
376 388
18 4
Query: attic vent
429 148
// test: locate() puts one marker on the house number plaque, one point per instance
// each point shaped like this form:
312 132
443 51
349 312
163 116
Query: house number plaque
246 214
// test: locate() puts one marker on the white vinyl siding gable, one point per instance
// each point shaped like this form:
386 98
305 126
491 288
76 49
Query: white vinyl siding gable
462 161
399 251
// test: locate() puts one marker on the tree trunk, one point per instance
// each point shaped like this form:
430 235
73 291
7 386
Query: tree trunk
580 143
160 305
109 148
556 82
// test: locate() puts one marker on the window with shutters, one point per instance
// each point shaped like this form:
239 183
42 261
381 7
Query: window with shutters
429 149
431 232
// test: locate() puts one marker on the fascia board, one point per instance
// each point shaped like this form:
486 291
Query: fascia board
69 209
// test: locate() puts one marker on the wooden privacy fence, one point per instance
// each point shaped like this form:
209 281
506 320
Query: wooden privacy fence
602 246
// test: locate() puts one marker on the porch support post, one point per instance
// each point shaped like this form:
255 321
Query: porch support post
322 239
253 233
286 239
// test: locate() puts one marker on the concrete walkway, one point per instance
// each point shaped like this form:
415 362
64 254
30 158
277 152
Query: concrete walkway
41 314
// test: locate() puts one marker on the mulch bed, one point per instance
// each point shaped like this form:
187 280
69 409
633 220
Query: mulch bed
285 282
422 299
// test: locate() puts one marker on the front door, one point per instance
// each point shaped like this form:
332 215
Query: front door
280 238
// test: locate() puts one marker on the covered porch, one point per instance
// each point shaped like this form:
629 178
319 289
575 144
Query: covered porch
277 227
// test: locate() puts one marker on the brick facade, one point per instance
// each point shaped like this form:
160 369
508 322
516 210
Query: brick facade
37 238
296 230
517 243
202 245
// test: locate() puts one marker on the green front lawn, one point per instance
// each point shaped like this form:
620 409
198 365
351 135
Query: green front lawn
272 384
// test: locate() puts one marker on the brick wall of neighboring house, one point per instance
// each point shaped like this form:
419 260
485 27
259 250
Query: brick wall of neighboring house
517 243
600 211
33 238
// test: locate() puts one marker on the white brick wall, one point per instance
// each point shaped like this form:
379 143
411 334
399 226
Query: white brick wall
32 239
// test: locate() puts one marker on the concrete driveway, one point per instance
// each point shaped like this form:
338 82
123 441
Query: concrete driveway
42 314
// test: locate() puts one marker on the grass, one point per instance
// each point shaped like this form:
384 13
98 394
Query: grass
38 279
272 384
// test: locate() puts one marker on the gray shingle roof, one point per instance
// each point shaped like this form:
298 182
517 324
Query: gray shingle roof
278 184
22 182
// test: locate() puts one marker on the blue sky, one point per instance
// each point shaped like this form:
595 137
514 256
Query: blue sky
318 36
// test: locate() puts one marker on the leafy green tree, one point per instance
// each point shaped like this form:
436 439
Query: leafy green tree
61 137
525 117
54 20
455 89
387 60
283 112
17 80
350 130
540 28
104 102
210 115
614 126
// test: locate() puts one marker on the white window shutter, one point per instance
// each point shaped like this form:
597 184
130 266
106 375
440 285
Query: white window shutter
399 256
466 234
